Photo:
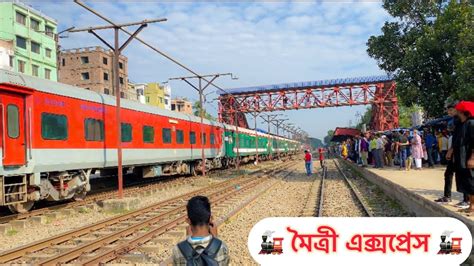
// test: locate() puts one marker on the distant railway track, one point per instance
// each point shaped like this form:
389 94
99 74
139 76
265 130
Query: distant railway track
107 193
324 197
125 232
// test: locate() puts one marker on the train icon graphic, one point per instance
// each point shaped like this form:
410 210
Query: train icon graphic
275 247
449 245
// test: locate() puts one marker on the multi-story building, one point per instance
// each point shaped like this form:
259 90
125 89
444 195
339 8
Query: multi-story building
7 55
31 36
155 95
182 106
140 91
167 96
92 68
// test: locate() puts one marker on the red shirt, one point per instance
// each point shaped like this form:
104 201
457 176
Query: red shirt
307 157
321 154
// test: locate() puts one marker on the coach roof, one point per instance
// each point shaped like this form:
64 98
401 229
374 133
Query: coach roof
48 86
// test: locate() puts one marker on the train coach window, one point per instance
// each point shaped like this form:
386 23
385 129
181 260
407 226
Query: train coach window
213 139
94 129
192 137
203 138
53 126
148 134
166 135
13 123
126 132
179 136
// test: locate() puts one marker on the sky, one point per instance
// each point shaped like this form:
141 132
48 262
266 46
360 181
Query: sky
263 42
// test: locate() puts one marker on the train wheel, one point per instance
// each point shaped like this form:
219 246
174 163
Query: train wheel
80 196
22 207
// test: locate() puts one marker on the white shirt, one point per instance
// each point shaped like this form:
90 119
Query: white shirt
380 143
444 143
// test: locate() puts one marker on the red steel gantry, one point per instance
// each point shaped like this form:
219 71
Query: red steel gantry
379 91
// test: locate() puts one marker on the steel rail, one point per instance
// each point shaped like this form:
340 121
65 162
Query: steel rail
321 191
100 194
234 213
114 253
73 254
365 208
45 243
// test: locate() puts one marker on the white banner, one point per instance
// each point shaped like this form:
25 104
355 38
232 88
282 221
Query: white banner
360 241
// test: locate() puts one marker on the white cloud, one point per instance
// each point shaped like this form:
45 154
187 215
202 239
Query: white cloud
261 42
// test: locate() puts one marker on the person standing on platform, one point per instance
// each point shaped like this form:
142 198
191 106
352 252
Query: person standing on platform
430 142
403 146
308 162
449 172
443 146
463 147
379 145
344 152
372 149
417 149
321 156
364 150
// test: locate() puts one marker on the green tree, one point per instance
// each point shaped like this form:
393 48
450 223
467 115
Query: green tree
430 51
197 111
328 137
365 118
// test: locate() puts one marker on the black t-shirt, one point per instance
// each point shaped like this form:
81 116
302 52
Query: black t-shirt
403 140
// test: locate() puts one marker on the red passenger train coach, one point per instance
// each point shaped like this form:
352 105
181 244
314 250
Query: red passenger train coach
53 136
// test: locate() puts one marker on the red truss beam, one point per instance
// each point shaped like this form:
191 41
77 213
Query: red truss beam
380 95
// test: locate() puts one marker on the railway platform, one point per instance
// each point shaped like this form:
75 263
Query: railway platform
417 190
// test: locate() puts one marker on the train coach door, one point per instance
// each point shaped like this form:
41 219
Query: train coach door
13 129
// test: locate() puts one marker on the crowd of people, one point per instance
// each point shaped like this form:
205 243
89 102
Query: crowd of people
451 147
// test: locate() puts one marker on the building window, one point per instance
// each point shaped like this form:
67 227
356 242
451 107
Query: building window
35 47
173 107
84 60
213 139
121 80
49 31
126 132
192 137
94 129
47 73
13 121
166 133
21 66
122 95
120 65
64 61
11 60
48 52
53 126
34 24
106 76
85 76
105 61
35 70
179 136
20 18
20 42
148 134
147 99
106 91
203 138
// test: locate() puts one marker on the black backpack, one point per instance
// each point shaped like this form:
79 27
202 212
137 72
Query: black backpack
207 256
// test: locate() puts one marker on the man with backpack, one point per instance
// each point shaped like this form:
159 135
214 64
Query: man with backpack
202 247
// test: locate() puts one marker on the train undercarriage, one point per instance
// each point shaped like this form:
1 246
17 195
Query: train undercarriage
19 193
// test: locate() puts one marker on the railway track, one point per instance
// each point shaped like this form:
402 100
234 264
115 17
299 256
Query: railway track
343 199
108 240
106 193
